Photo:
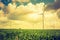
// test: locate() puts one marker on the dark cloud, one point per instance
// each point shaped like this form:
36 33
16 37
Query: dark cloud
55 5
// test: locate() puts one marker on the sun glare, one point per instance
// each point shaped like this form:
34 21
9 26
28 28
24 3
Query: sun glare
33 17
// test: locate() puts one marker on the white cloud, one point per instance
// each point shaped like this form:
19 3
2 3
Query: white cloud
11 8
28 9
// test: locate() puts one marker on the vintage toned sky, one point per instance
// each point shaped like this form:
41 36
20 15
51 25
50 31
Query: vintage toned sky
28 14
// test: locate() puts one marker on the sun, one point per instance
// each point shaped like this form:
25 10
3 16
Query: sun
33 17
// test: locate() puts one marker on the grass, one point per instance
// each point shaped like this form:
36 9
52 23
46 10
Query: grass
29 34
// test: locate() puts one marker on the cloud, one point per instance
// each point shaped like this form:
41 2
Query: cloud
21 11
1 13
11 8
58 13
23 0
27 14
2 5
55 5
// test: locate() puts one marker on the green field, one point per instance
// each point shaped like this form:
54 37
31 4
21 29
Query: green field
24 34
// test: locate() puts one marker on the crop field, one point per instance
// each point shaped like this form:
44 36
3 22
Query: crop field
28 34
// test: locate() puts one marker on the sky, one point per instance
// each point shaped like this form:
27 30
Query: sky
6 2
28 14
